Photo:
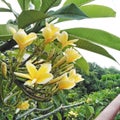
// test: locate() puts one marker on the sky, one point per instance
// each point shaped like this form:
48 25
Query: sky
111 25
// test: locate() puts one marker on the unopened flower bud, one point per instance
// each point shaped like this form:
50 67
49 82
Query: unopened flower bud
4 69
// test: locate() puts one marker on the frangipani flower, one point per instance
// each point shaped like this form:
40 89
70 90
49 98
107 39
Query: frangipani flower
49 32
40 76
73 114
63 39
88 100
23 106
66 83
71 55
75 76
23 40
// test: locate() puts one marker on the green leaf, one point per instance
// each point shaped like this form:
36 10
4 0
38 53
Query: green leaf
5 10
97 36
70 11
24 4
47 4
5 33
37 4
90 111
98 110
98 11
84 42
59 116
30 16
83 65
57 2
77 2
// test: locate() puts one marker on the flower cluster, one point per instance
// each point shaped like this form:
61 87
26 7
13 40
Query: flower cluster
51 67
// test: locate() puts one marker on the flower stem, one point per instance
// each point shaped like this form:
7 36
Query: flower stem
1 92
20 56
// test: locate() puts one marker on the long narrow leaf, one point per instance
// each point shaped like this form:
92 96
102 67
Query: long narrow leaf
77 2
70 11
30 16
5 33
96 36
5 10
37 4
47 4
98 11
24 4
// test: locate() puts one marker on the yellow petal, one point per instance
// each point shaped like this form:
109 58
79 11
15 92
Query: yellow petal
44 78
23 106
30 38
53 28
46 33
64 77
31 69
63 37
78 78
19 36
22 75
71 42
49 32
23 39
45 68
72 72
30 82
74 76
66 84
71 55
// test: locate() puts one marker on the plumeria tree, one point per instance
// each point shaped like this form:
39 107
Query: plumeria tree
38 59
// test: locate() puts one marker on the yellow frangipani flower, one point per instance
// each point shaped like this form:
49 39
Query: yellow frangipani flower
23 106
50 32
71 55
65 83
73 114
63 39
68 81
88 100
22 39
75 76
40 76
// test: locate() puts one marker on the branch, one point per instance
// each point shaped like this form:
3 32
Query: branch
56 110
8 45
33 109
26 113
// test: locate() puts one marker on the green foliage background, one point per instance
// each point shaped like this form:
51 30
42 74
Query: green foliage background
100 87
